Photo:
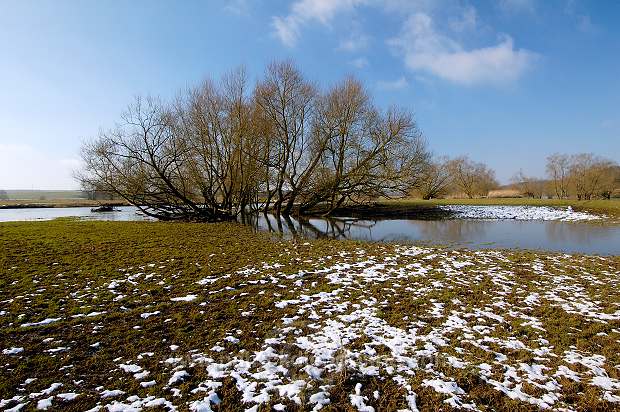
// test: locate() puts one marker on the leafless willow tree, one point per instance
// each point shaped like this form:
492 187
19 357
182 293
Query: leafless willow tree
471 178
219 149
185 161
529 186
558 170
591 175
287 100
435 179
584 175
364 153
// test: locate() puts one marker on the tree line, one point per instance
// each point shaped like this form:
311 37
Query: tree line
460 176
284 146
582 176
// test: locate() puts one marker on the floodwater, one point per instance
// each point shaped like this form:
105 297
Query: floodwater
557 236
123 213
571 237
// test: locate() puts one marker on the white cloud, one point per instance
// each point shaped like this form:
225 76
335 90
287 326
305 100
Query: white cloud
239 7
467 21
360 62
583 21
287 28
410 6
425 49
354 43
518 6
24 167
391 85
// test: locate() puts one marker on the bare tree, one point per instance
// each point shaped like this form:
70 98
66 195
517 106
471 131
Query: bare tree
590 175
215 123
558 170
611 181
471 178
186 161
288 100
435 180
366 154
529 186
218 150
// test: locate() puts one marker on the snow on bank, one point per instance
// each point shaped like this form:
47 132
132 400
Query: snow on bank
519 213
419 320
322 334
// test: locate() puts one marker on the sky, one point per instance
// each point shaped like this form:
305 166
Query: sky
506 82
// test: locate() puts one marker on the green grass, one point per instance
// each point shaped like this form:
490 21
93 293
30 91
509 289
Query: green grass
44 194
63 268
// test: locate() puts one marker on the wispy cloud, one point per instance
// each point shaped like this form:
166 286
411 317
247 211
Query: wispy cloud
517 6
425 49
239 7
287 28
354 43
582 20
468 20
360 62
392 85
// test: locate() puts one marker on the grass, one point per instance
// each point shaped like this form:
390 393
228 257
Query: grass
99 278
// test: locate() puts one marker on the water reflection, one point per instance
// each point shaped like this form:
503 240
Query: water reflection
335 228
122 213
511 234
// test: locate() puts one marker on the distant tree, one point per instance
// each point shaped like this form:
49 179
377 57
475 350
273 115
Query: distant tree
4 195
610 181
591 176
558 171
529 186
435 179
471 178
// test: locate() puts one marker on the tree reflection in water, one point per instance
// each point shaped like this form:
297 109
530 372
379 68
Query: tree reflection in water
472 233
312 228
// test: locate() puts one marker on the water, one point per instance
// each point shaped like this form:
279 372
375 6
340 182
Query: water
123 213
572 237
556 236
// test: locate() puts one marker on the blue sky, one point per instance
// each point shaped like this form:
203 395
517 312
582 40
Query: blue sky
506 82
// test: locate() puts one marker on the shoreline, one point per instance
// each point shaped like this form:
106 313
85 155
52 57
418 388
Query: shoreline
58 203
404 208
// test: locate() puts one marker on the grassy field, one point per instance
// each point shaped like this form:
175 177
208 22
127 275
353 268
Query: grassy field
42 194
130 315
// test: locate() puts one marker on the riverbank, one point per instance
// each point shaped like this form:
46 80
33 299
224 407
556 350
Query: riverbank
133 314
610 208
593 211
54 203
418 209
